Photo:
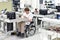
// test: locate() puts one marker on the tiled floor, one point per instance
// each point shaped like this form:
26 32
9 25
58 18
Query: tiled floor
37 36
41 35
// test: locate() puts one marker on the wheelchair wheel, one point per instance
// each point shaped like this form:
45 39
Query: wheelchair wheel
31 31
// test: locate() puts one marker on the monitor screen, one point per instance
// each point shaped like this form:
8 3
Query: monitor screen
16 0
58 8
43 12
11 15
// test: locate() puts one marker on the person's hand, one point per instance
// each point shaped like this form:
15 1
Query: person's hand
25 17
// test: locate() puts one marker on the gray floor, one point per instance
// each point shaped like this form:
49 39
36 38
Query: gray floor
40 35
6 37
37 36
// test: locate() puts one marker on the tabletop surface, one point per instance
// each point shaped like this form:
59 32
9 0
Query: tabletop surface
57 12
57 21
13 20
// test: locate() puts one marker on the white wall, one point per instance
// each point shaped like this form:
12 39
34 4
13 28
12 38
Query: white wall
28 2
33 3
3 0
22 2
57 2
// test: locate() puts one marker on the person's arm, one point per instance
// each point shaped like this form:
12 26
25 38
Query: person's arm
23 16
30 17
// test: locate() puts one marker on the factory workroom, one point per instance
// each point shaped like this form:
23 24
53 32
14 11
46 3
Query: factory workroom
29 19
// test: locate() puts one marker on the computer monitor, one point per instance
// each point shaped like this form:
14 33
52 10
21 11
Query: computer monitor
43 12
11 15
58 8
16 0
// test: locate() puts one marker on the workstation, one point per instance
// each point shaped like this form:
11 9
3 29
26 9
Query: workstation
30 19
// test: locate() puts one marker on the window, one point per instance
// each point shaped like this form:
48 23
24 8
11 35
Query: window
0 0
3 0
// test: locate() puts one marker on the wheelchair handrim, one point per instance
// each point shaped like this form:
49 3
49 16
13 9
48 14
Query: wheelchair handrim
32 31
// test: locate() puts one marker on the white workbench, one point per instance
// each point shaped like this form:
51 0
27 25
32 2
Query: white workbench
36 17
14 21
57 21
51 10
57 13
51 33
40 16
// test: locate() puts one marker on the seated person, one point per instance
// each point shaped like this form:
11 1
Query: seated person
36 12
27 15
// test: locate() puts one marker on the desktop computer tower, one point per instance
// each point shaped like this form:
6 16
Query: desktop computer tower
9 27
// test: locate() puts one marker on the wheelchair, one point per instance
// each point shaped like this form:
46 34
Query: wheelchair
30 29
